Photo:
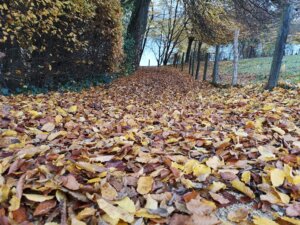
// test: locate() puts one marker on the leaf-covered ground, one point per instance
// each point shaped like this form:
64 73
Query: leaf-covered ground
153 148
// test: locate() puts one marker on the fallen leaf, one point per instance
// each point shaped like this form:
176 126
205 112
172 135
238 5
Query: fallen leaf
145 185
44 207
262 220
277 177
73 109
70 182
19 215
219 198
216 186
53 136
240 186
115 212
246 177
85 213
239 215
126 204
48 127
293 210
38 198
108 192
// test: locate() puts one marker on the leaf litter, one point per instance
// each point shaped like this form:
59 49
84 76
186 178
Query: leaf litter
153 148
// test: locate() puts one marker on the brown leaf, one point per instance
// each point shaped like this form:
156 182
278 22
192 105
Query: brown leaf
219 198
44 207
15 165
19 215
200 206
190 195
70 182
179 219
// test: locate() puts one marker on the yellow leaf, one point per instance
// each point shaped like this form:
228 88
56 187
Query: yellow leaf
263 221
61 111
145 185
73 109
240 186
38 198
289 173
115 212
34 114
9 133
87 212
177 166
201 170
187 183
108 192
144 214
216 186
296 180
172 140
15 203
291 220
278 130
93 168
94 180
126 204
268 107
190 165
60 196
277 177
53 136
4 192
58 119
109 220
246 177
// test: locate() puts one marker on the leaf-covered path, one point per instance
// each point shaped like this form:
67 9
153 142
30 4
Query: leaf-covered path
153 148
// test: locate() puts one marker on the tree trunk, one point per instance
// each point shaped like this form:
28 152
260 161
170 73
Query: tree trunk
235 58
189 49
182 61
280 46
190 63
216 66
198 60
194 59
205 67
137 28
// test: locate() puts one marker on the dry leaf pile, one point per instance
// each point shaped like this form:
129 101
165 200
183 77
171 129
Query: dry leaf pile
153 148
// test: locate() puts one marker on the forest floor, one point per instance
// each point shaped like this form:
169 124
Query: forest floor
153 148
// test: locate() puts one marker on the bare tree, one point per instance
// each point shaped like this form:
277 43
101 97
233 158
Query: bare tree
169 30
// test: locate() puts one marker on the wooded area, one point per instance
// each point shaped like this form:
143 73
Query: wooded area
207 132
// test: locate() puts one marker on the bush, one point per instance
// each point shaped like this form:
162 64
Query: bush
48 43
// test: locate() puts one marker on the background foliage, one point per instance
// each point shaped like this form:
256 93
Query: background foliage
48 43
